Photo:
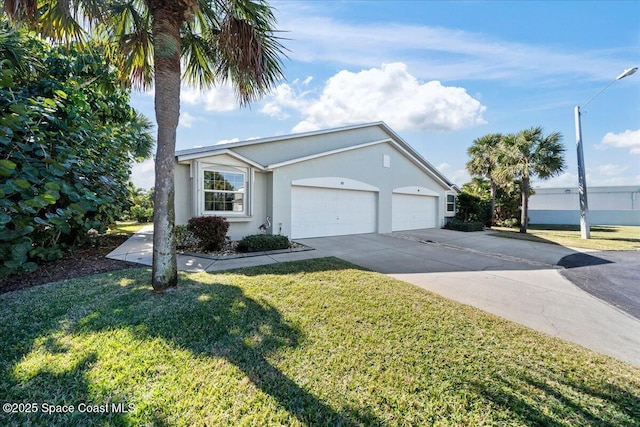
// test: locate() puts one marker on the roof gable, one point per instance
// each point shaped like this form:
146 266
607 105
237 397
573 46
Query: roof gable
271 153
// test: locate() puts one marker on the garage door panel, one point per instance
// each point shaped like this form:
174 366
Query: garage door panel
411 212
319 212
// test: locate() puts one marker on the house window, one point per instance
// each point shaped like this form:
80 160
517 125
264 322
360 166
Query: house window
224 191
451 203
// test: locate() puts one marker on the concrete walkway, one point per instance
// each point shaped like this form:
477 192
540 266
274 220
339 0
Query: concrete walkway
139 249
514 279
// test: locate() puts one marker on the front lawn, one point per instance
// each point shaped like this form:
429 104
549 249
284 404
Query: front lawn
126 227
603 237
316 342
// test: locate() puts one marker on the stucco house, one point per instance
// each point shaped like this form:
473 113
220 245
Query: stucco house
348 180
614 205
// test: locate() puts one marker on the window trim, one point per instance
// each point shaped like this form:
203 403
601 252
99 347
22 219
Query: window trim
245 172
452 203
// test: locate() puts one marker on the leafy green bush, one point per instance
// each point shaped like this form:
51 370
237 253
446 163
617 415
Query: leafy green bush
466 226
263 242
65 153
140 213
185 238
141 204
510 222
211 231
472 208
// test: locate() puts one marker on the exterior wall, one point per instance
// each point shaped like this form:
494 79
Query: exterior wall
282 151
183 198
188 195
572 217
607 206
365 165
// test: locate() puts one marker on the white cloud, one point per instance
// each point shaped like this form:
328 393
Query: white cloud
227 141
460 177
219 99
143 174
388 93
628 139
611 169
187 119
443 167
282 99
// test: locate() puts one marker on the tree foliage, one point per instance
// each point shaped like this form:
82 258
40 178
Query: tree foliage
68 138
506 164
140 204
150 40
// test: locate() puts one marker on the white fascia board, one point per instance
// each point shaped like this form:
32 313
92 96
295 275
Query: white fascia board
326 153
195 156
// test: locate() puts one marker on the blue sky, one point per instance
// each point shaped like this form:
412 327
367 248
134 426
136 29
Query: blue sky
441 74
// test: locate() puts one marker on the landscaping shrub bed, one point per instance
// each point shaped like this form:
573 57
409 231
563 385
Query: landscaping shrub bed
263 242
466 226
211 231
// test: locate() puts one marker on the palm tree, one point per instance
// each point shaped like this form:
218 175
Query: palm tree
527 154
216 40
484 154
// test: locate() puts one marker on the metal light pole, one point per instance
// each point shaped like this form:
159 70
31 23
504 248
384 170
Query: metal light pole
585 231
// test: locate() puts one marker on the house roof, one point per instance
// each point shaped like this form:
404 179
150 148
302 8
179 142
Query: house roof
263 164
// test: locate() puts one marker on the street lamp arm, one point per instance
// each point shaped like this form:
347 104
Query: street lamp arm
625 73
597 94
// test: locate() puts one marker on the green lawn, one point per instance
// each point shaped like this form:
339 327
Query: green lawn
309 343
603 237
126 227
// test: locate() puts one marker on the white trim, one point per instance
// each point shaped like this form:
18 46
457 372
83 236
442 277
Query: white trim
335 182
187 157
210 167
326 153
416 191
447 212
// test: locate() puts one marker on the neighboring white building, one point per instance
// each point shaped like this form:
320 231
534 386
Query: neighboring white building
607 205
349 180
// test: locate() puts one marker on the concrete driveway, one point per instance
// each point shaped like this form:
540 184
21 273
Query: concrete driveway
514 279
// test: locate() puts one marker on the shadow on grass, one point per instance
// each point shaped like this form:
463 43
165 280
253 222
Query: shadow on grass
563 406
295 267
214 320
520 236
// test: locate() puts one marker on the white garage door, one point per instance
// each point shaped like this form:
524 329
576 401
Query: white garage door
317 212
410 212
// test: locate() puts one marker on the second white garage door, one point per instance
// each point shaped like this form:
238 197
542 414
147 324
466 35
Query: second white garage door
317 212
410 212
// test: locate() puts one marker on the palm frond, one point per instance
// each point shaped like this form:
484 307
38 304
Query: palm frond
247 51
128 29
142 147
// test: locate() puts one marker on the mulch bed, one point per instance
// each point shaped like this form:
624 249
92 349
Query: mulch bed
82 262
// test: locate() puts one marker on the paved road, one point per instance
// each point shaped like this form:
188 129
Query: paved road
613 276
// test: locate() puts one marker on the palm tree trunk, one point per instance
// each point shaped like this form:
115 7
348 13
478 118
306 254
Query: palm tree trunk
494 190
166 37
524 214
